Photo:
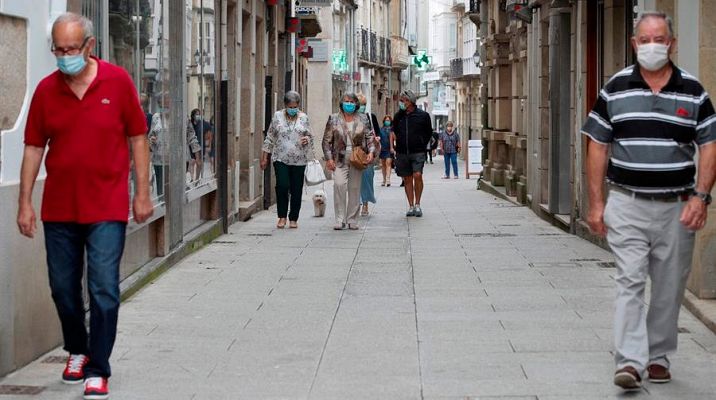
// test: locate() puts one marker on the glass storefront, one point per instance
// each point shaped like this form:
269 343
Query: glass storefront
200 59
133 34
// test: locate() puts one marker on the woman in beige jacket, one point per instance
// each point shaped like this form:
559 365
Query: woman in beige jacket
345 129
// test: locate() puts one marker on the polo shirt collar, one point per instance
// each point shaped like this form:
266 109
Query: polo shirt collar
100 77
676 78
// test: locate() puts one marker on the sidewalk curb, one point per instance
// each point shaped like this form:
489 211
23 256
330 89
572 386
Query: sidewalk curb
149 272
704 310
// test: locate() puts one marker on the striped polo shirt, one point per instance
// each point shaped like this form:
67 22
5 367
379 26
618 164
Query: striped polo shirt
653 137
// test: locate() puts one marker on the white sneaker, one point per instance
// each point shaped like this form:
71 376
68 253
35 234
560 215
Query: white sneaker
418 211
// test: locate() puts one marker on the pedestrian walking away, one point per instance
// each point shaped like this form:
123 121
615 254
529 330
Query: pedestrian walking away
386 150
650 117
432 146
346 131
450 146
85 198
288 145
412 131
367 189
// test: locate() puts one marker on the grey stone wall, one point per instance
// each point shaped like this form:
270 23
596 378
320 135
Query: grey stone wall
13 47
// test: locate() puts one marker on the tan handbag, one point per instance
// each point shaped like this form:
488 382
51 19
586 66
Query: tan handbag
359 158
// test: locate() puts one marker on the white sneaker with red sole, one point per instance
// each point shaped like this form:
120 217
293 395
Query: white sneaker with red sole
75 369
96 388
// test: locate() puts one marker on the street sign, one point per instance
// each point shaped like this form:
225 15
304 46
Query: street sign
314 3
320 49
422 60
340 62
474 157
431 76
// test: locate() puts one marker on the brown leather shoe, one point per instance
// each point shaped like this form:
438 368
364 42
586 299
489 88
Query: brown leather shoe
627 378
658 373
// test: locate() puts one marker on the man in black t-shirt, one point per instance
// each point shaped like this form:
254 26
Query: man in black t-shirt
413 129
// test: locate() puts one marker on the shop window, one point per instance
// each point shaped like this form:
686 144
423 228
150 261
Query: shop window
200 95
137 43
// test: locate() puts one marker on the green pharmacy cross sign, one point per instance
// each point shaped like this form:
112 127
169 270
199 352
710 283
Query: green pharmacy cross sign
340 63
422 60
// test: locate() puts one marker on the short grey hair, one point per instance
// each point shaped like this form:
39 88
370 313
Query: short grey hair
351 96
291 96
410 95
655 14
72 18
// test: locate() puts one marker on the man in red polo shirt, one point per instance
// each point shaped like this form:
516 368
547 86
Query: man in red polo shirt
85 113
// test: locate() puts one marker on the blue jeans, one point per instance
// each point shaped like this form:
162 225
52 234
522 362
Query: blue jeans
104 243
450 158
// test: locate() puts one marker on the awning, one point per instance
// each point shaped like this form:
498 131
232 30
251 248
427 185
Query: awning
310 27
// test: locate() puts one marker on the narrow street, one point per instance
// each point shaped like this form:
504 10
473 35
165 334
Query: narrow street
479 299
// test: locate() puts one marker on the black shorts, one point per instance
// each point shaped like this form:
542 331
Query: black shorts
408 164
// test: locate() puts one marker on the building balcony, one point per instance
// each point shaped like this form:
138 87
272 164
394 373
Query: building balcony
400 58
463 68
473 11
459 5
374 51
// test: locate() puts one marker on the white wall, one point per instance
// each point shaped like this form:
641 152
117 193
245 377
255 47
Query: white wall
41 62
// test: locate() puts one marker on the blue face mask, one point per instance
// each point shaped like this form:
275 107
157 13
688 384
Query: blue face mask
386 123
361 109
401 105
349 108
292 112
71 65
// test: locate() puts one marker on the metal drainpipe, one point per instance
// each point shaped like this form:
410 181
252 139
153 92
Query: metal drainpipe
560 101
483 74
292 46
389 96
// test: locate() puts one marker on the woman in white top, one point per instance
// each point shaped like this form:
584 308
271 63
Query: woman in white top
288 143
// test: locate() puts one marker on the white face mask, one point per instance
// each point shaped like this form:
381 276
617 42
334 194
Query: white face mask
652 56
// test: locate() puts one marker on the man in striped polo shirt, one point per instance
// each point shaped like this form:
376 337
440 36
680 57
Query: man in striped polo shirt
652 116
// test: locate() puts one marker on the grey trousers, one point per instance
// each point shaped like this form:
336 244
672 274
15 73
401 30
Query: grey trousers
647 239
346 193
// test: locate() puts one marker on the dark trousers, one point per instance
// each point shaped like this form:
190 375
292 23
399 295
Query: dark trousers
289 188
450 159
66 244
429 155
159 177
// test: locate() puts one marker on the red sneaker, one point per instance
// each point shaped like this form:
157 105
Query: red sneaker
75 369
96 388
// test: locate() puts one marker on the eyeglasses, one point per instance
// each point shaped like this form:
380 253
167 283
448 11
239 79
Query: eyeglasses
68 51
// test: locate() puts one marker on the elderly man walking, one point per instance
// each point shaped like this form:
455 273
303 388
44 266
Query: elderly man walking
85 113
412 128
652 116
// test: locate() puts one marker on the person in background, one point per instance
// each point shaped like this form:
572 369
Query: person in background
643 133
386 149
204 134
84 204
367 189
450 146
431 146
192 154
288 144
343 130
413 129
157 146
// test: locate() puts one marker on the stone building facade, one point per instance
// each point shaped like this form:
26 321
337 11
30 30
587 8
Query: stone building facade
544 63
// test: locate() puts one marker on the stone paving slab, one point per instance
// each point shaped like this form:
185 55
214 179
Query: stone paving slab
477 300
